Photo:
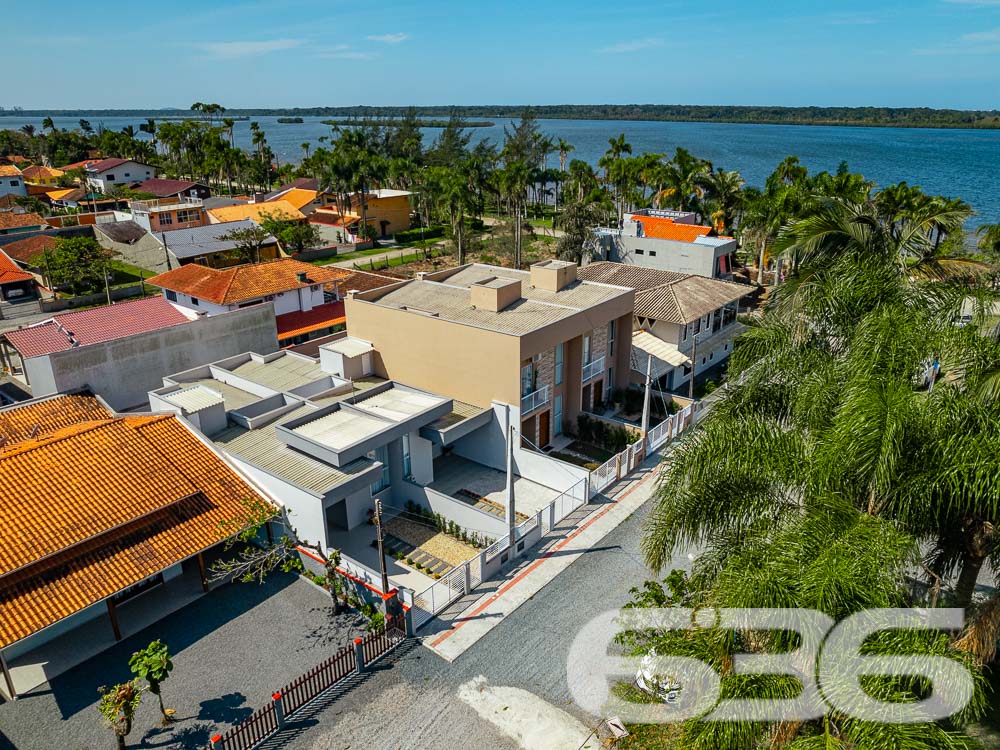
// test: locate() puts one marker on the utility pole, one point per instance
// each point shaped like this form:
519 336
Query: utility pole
645 401
381 548
694 363
511 510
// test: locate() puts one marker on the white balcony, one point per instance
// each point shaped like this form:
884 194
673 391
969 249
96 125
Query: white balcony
592 369
533 401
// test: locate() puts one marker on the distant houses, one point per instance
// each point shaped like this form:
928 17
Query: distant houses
11 180
106 174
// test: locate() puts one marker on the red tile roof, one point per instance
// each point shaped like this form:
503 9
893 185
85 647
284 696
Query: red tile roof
298 323
105 164
11 272
95 326
137 494
79 164
36 418
667 229
226 286
11 220
165 188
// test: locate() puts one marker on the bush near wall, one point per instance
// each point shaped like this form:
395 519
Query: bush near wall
600 433
415 235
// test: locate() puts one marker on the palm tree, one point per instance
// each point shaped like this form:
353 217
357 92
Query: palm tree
564 148
28 130
455 194
48 124
305 149
684 178
829 467
725 191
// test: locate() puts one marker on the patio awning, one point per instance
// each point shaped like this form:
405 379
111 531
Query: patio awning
666 356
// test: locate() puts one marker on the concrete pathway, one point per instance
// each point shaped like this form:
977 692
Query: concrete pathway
462 625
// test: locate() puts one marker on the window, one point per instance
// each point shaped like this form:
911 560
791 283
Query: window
684 333
407 463
652 253
381 454
166 219
697 327
527 379
188 214
611 339
610 385
586 349
639 252
559 364
13 183
109 178
195 302
171 295
557 416
127 174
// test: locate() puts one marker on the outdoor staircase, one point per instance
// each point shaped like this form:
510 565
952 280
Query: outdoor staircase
486 505
428 561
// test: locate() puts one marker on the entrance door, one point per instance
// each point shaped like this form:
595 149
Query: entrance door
543 428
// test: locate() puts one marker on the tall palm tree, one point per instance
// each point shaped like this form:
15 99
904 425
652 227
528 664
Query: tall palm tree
684 179
48 124
28 130
725 191
305 149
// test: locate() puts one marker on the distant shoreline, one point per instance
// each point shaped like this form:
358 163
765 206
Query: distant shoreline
885 117
351 122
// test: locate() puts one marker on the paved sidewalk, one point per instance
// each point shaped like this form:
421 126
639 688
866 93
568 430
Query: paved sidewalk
459 627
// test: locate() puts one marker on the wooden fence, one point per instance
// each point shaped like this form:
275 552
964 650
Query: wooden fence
296 695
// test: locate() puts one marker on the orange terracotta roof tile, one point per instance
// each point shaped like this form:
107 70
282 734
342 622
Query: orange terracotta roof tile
667 229
10 220
11 272
38 417
137 495
298 323
9 170
278 209
226 286
41 173
297 197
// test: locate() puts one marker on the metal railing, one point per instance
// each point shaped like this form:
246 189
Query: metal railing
593 369
532 401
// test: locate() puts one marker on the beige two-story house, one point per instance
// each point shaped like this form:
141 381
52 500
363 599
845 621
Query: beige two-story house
544 341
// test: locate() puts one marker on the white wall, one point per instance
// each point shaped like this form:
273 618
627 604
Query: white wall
461 513
357 506
124 370
123 174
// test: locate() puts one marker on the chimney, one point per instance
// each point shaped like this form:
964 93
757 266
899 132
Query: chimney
494 293
552 275
302 277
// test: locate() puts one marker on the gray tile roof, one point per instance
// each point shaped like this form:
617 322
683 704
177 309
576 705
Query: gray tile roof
126 232
189 243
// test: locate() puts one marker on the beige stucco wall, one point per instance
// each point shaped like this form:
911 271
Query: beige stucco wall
463 362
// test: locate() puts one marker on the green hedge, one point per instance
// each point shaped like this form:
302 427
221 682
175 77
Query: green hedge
415 235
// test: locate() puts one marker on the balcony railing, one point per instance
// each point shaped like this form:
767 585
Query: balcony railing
593 369
532 401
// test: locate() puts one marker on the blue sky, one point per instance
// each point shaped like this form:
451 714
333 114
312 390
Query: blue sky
281 53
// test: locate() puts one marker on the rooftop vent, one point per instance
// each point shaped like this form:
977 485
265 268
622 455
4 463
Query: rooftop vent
494 293
552 275
302 277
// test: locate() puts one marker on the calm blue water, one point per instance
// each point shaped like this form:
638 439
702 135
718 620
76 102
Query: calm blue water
957 163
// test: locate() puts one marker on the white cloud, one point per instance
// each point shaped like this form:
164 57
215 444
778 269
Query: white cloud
344 52
982 36
232 50
389 38
633 46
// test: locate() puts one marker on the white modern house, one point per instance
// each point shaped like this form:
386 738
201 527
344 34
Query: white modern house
668 241
108 173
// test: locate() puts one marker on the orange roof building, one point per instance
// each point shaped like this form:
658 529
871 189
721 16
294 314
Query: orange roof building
306 298
138 496
258 212
667 241
38 175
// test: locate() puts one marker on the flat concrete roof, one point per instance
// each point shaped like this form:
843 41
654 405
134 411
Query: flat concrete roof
195 397
397 404
341 429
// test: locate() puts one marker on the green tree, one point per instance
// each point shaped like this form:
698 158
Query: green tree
79 264
248 241
118 705
294 235
154 665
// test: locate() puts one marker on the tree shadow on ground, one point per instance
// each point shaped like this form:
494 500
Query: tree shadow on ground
230 708
194 737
